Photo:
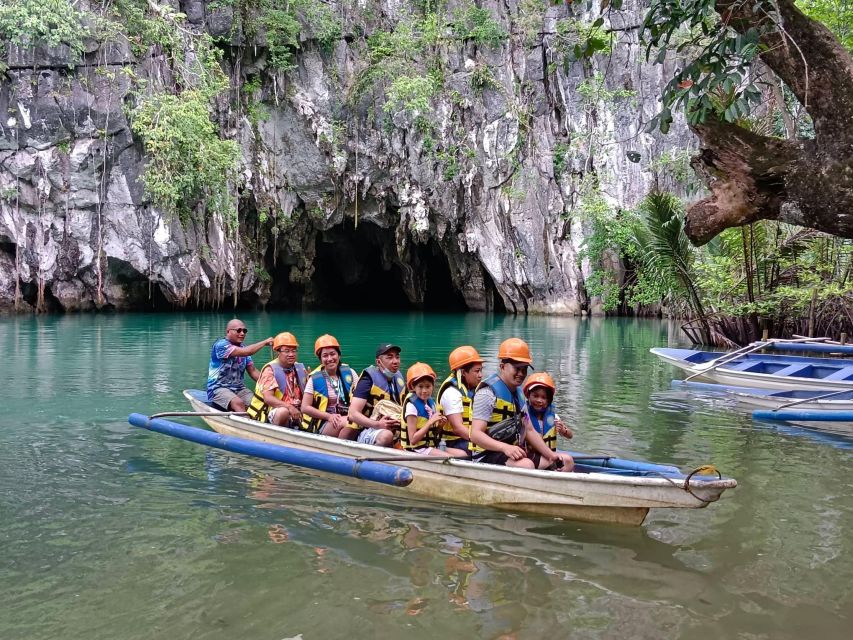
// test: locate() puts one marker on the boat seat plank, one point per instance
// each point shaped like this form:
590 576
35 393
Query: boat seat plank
792 370
845 373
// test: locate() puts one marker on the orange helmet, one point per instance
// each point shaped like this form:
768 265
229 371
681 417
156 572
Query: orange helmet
285 339
416 372
515 349
539 380
461 356
326 341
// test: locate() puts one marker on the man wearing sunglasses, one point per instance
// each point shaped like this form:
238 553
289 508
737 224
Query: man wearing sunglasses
499 398
229 360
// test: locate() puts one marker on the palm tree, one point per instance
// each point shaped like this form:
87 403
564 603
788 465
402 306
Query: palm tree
665 251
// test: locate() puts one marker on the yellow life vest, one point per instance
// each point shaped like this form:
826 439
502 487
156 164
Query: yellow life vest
258 409
455 380
320 397
507 404
381 389
432 437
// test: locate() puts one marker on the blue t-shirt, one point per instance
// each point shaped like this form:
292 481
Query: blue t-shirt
224 370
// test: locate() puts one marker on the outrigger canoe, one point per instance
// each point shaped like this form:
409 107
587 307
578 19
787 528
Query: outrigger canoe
762 370
602 489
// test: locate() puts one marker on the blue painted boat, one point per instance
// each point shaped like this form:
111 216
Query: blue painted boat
764 371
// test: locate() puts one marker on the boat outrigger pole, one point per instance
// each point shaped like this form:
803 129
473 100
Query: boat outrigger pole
362 469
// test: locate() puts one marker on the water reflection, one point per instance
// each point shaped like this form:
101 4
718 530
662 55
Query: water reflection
113 532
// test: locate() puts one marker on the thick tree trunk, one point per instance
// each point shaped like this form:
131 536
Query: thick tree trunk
804 182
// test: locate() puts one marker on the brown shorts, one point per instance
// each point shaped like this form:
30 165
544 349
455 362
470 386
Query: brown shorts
223 396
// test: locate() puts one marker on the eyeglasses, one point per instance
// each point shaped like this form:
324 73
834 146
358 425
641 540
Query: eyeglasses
243 330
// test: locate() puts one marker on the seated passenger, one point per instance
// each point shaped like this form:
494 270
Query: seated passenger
499 398
455 395
229 360
380 381
539 389
423 425
278 394
328 393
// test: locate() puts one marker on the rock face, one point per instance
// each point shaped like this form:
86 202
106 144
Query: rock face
343 202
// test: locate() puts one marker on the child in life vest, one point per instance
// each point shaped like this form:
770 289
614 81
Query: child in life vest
422 424
539 390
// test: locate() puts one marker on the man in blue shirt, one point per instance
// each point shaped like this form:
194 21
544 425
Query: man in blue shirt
229 360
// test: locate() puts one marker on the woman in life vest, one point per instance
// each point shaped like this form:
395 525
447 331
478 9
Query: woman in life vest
539 390
456 393
328 391
423 425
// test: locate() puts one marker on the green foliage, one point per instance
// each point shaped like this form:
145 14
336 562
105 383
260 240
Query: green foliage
411 93
716 78
51 22
594 91
577 40
475 23
188 162
482 79
281 31
835 14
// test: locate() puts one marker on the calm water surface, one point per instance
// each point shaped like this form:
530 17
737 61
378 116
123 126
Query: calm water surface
112 532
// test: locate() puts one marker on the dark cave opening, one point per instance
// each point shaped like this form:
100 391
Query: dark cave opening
440 294
352 270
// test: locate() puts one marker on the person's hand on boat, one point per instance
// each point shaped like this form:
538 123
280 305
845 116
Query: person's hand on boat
562 429
387 422
513 453
562 462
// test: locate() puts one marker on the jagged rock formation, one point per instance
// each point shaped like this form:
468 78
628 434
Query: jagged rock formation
341 201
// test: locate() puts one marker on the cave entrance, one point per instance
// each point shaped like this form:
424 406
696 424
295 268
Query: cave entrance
357 269
353 270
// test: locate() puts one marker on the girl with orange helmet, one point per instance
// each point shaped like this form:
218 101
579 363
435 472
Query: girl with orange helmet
421 420
539 389
328 392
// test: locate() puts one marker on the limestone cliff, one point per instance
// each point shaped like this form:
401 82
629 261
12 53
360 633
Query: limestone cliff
481 198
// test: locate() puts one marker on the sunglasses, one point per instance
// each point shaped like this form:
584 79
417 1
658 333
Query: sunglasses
240 330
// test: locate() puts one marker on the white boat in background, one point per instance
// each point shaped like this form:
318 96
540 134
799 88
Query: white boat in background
802 399
749 369
602 489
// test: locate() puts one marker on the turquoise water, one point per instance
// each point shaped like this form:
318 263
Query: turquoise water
113 532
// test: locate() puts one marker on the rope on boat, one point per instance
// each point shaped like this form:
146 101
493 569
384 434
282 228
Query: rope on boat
703 470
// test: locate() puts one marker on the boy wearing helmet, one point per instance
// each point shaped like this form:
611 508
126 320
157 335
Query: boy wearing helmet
278 393
539 390
456 394
229 360
498 398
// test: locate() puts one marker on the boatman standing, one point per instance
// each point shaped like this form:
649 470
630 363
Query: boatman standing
380 381
229 360
498 398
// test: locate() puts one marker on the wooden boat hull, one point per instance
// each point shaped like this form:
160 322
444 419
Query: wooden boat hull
764 371
590 497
